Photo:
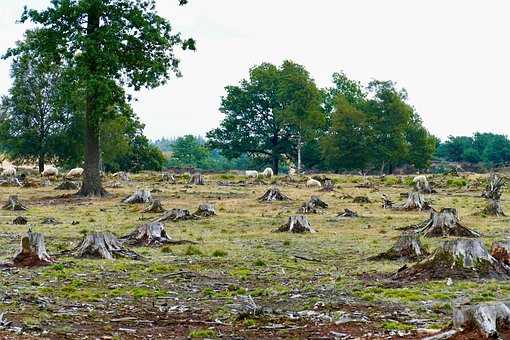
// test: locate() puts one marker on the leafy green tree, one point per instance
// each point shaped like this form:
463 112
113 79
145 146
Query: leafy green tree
187 151
107 45
422 145
262 113
36 118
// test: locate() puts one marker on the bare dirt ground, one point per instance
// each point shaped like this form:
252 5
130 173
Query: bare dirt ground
314 286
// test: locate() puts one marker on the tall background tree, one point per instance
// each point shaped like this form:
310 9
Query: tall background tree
265 115
107 45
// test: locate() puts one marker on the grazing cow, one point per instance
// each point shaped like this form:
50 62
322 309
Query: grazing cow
313 183
251 173
268 172
76 172
49 171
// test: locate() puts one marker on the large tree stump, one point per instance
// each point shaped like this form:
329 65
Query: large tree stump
488 318
273 194
151 234
313 206
408 247
460 259
205 210
415 201
347 213
492 194
387 203
175 215
32 251
328 186
154 207
13 204
67 185
103 245
445 223
297 224
197 179
139 196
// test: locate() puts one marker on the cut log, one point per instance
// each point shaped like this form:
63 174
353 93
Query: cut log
313 206
13 204
139 196
67 185
154 207
443 224
415 201
408 247
297 224
492 194
20 220
205 210
386 202
175 215
151 234
32 251
273 194
103 245
328 186
348 213
361 200
488 318
197 179
457 259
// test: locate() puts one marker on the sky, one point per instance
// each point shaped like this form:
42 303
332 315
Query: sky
452 56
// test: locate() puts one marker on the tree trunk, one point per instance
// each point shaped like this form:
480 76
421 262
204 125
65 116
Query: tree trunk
299 156
41 163
276 163
91 176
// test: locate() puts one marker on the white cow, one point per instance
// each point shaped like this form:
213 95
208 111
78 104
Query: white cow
268 172
49 171
76 172
251 173
311 183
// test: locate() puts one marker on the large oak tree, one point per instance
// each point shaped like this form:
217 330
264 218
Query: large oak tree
108 45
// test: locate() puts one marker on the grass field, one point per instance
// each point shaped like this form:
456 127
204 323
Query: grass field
195 290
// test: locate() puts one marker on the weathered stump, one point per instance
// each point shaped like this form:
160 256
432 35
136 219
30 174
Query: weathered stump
361 200
20 220
501 251
348 213
205 210
151 234
103 245
408 247
139 196
175 215
297 224
273 194
32 251
121 175
488 318
328 186
154 207
313 206
197 179
492 194
14 204
445 223
168 177
415 201
386 202
460 259
67 185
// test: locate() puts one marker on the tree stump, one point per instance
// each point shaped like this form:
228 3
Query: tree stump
14 204
168 177
492 194
154 207
50 220
175 215
205 210
151 234
273 194
197 179
328 186
32 251
415 201
488 318
361 200
297 224
121 175
348 213
408 247
103 245
501 251
386 202
460 259
443 224
67 185
139 196
20 220
313 206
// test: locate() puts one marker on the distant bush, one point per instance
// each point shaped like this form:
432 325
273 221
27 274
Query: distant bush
457 182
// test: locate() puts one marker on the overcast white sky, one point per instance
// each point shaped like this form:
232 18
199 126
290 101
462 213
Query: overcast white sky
452 56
